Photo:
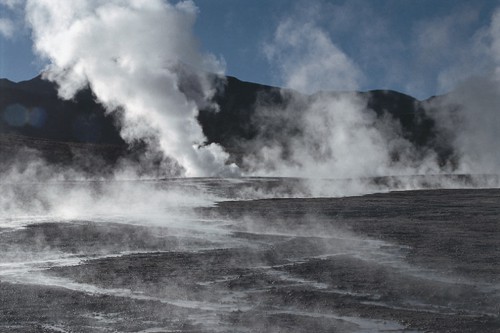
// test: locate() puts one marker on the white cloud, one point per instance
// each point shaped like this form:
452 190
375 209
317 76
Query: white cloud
11 24
448 51
439 37
308 60
7 27
11 4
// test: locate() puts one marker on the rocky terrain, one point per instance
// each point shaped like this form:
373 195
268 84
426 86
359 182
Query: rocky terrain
416 261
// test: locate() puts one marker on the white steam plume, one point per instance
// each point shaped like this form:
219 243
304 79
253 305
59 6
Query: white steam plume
339 136
308 60
470 114
133 54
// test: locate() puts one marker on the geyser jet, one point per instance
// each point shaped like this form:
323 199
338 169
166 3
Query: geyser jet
133 55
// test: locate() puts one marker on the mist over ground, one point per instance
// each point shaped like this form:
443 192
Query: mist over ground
142 190
158 87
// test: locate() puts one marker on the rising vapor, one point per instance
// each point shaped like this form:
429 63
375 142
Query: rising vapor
142 62
86 251
337 135
134 55
470 114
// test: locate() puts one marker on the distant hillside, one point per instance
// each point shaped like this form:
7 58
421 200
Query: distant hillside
33 116
239 121
32 108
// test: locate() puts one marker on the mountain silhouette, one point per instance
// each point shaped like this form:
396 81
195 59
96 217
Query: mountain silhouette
66 131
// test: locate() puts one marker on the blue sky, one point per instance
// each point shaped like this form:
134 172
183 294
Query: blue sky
422 47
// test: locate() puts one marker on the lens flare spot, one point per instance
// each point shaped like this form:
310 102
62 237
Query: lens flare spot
16 115
37 117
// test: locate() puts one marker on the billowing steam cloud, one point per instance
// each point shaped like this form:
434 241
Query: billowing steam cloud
335 134
470 114
308 60
142 62
134 55
338 136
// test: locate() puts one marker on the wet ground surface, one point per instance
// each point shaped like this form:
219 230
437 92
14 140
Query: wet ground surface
415 261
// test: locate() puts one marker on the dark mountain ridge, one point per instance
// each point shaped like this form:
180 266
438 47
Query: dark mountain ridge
32 115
